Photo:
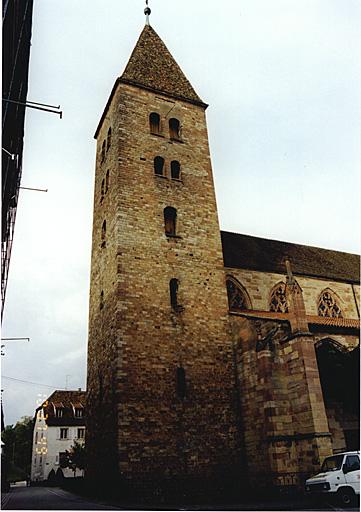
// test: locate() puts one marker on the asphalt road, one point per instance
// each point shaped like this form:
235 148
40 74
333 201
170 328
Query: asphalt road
55 498
47 498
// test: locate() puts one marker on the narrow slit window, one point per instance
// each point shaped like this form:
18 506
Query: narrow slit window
101 302
154 123
173 289
107 181
102 190
158 165
103 152
174 128
170 221
181 383
104 233
175 170
109 138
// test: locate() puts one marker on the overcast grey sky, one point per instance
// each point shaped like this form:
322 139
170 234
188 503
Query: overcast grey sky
282 78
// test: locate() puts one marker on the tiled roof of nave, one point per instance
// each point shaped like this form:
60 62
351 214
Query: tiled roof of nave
254 253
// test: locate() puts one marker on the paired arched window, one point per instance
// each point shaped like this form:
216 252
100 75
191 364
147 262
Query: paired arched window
154 123
175 170
278 300
170 221
328 306
158 166
174 128
109 138
238 298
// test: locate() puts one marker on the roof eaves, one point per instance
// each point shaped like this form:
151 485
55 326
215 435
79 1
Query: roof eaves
163 93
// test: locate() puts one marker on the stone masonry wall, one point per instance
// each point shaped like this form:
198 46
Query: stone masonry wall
285 424
137 341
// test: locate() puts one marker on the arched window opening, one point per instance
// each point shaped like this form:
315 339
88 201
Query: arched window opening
278 300
101 302
103 151
237 296
107 181
327 305
175 170
173 289
104 233
154 123
170 221
109 138
181 383
158 165
174 128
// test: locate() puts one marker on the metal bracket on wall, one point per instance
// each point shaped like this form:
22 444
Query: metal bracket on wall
38 106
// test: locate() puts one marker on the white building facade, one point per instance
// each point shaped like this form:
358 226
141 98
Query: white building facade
59 424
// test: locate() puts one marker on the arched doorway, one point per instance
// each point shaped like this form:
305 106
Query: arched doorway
339 371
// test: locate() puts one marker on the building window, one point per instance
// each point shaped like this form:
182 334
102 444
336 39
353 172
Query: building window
278 300
64 433
170 221
154 123
237 296
104 233
36 437
63 459
175 170
327 305
181 385
103 151
58 412
107 181
102 191
158 165
101 302
173 290
78 412
40 459
109 138
81 433
174 129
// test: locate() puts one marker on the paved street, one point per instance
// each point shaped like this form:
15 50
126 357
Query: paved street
47 498
55 498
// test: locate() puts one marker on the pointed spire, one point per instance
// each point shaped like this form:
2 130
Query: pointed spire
152 66
147 12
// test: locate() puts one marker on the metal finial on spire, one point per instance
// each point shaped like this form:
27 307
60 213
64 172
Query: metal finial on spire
147 12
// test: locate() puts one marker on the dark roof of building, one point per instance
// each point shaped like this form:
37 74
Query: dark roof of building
261 254
152 66
68 401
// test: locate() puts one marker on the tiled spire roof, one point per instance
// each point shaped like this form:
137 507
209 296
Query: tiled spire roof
152 66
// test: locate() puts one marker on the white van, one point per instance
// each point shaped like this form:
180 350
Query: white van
340 475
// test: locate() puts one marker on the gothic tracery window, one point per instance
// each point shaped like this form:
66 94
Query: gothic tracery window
278 300
327 305
237 298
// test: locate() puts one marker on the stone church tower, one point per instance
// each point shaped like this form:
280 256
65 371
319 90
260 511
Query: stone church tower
162 399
